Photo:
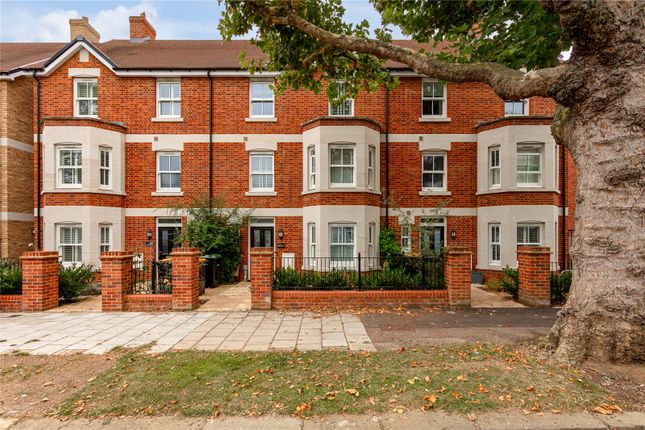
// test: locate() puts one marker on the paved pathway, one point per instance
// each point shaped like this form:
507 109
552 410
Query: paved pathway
485 299
510 420
98 333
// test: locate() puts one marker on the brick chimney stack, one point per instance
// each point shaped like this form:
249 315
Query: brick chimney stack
82 27
140 29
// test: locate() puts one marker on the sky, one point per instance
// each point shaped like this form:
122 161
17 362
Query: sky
47 21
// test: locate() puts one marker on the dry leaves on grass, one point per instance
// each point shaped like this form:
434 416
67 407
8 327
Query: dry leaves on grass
606 409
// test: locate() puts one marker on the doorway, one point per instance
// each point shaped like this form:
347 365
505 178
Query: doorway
261 235
167 231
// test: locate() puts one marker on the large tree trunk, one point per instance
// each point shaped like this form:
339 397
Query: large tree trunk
604 128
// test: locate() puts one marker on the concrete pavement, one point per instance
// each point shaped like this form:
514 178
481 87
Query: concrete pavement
407 421
98 333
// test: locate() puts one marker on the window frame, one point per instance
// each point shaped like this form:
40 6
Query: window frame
344 262
108 168
170 99
349 100
444 171
353 166
371 240
540 152
406 238
371 162
433 222
77 99
311 243
444 99
311 165
77 246
491 168
171 189
261 100
60 167
525 107
102 243
529 225
251 172
492 244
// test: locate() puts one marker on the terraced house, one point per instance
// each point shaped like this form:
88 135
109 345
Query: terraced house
126 129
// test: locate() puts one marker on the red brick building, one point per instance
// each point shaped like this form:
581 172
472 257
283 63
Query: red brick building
131 128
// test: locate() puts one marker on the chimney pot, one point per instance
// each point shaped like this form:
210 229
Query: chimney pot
140 29
82 27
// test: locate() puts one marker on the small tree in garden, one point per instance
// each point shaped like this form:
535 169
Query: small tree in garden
215 229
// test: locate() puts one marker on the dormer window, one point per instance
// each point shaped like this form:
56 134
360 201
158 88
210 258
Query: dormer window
86 98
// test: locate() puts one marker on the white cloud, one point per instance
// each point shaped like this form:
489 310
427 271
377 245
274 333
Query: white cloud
114 23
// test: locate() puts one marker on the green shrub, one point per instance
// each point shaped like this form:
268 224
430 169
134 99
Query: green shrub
10 277
72 280
510 281
388 244
560 286
397 279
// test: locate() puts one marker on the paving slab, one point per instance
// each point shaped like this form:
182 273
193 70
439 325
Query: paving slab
5 423
519 421
267 423
341 422
624 421
426 420
39 424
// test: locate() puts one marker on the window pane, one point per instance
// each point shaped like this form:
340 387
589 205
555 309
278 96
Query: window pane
427 89
336 154
427 162
176 90
336 175
164 163
495 176
267 108
164 90
348 156
348 175
84 107
93 87
437 179
164 180
82 90
165 108
437 107
427 180
438 163
176 108
174 163
175 180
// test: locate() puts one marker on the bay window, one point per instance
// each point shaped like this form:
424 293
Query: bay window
105 167
70 243
529 234
529 165
341 245
341 166
494 170
494 244
70 166
105 238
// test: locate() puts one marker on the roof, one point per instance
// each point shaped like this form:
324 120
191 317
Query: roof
154 54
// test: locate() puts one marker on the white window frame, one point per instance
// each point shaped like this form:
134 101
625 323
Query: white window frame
444 99
172 99
311 164
78 99
353 166
492 168
350 260
105 245
77 247
311 245
261 172
492 243
371 161
529 225
444 171
341 105
105 168
406 238
60 168
538 149
525 107
160 172
371 239
252 98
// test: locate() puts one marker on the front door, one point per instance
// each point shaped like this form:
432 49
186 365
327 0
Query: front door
166 240
261 237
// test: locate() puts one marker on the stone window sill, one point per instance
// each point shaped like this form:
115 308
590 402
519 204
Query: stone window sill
435 193
164 119
271 119
260 193
167 193
434 119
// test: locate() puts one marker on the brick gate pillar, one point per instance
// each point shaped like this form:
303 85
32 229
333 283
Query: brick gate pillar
116 279
534 275
261 277
39 280
457 276
185 278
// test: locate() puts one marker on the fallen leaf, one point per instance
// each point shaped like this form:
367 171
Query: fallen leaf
456 394
462 378
372 401
352 391
483 389
530 389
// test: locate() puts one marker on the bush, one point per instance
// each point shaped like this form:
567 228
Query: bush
10 277
388 244
510 281
560 286
72 280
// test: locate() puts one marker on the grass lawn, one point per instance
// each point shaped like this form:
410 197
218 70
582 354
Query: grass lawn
461 379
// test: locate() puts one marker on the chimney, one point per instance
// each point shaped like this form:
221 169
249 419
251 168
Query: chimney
141 30
82 27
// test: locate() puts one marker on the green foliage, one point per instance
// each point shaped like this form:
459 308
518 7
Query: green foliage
72 280
511 32
388 244
10 277
510 281
215 229
560 286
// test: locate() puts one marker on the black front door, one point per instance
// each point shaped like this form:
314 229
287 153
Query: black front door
261 237
166 240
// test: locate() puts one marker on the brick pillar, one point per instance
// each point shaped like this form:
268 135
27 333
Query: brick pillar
261 277
185 278
457 275
39 280
534 275
116 277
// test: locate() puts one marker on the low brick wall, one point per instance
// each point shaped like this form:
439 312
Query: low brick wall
11 303
297 299
147 302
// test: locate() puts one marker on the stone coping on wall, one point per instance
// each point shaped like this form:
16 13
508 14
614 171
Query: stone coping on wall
300 299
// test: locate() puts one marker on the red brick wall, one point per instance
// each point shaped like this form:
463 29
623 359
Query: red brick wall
457 274
185 279
261 278
39 281
345 299
11 303
534 275
147 302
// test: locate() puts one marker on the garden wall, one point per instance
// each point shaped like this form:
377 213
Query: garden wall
11 303
147 302
298 299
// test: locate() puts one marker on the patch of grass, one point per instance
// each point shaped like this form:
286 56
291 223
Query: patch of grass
460 379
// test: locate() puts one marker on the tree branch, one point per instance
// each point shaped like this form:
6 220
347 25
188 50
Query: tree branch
506 82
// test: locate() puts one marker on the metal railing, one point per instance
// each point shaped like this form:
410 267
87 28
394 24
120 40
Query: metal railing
399 272
153 279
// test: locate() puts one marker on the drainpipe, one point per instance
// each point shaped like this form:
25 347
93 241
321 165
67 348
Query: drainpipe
38 162
564 207
387 157
210 139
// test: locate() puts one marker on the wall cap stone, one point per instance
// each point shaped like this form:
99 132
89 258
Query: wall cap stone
39 255
527 249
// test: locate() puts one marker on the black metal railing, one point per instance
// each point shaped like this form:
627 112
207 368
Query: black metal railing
10 276
153 279
399 272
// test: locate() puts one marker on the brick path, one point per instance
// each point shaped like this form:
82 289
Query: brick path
97 333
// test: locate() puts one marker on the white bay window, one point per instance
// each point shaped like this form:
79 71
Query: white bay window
70 243
70 166
341 166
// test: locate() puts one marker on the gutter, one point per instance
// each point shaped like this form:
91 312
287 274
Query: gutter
210 139
38 162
